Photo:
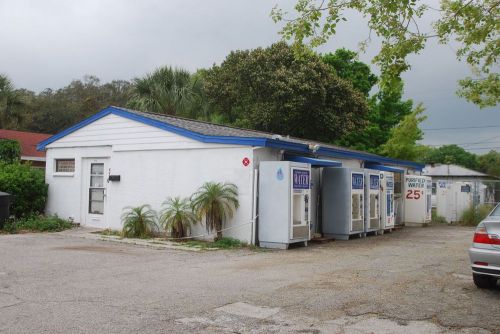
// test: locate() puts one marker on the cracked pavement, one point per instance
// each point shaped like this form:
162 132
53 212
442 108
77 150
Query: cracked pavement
414 280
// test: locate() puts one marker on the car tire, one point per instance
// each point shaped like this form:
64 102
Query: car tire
484 281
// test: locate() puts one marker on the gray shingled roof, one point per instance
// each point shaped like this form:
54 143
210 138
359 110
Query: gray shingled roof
211 129
451 170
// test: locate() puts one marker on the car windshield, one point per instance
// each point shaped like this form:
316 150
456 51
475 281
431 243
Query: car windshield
496 211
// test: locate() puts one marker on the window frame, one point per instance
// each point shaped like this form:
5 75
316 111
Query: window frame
65 172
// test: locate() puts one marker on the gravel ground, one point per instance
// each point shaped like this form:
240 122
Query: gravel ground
416 280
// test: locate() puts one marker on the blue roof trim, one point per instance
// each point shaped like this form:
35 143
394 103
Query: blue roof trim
245 141
367 157
313 161
384 168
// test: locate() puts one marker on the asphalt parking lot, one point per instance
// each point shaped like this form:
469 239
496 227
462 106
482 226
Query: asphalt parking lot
416 280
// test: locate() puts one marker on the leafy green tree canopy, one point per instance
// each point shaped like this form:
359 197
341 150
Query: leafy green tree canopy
11 102
403 141
451 154
166 90
347 66
275 90
489 163
473 25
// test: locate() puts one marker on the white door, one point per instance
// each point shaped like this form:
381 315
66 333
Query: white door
95 196
300 203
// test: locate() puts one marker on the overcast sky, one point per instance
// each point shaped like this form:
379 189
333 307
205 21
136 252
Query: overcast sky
49 43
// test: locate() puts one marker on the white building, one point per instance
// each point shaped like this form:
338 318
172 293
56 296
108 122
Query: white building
482 184
121 157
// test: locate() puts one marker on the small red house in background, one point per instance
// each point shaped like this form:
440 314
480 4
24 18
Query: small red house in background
28 142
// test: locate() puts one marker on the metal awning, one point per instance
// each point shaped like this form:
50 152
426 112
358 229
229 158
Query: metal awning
313 161
384 168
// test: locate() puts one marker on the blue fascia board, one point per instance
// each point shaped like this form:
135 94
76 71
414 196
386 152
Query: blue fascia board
367 157
245 141
313 161
385 168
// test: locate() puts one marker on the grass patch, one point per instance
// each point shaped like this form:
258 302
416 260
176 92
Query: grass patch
37 224
224 243
473 215
436 219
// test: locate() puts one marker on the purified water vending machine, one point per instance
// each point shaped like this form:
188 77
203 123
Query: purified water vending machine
387 201
417 200
372 201
284 203
342 195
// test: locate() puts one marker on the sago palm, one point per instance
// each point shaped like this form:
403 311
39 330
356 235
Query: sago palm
167 90
216 202
139 222
177 216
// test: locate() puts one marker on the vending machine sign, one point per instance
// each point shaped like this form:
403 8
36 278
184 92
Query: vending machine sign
357 181
374 182
300 179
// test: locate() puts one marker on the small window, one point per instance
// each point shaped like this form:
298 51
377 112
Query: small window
434 188
65 165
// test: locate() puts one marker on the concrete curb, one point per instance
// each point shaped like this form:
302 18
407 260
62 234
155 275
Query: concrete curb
85 233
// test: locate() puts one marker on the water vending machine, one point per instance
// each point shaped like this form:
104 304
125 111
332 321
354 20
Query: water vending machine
387 212
284 203
417 200
342 194
372 200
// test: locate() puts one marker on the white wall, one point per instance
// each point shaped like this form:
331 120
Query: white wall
153 165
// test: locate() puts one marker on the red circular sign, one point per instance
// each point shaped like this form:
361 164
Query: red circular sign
246 161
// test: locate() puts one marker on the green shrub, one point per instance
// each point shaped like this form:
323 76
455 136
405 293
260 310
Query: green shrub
37 223
436 219
227 243
10 150
27 185
473 215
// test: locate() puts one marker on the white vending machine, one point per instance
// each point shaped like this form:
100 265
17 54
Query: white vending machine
452 199
342 194
428 199
417 200
372 201
284 203
387 201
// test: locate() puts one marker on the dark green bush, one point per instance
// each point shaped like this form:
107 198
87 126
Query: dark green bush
10 150
37 223
27 185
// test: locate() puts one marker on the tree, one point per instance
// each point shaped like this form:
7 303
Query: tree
451 154
216 202
166 90
274 90
346 65
10 103
177 216
402 143
489 163
386 109
52 111
472 24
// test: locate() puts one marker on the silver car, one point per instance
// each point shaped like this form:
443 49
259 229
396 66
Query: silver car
485 251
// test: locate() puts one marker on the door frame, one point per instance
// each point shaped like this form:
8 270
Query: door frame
89 219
